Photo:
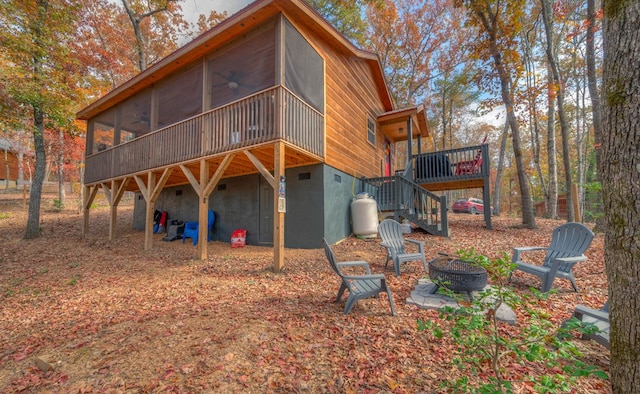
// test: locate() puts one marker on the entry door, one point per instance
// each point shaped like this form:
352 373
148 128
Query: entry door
387 157
266 213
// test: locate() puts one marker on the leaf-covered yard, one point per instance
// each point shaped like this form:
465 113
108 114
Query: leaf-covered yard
109 317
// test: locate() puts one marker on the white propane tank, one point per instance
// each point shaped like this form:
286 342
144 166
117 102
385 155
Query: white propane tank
364 216
406 227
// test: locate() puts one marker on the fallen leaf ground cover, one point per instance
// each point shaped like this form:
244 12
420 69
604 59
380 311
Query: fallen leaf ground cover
110 317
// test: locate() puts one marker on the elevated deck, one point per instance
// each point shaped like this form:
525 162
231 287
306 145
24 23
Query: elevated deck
453 169
410 195
252 124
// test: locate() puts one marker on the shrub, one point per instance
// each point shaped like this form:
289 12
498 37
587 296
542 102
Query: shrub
488 347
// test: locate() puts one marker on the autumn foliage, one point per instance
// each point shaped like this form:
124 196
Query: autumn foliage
107 316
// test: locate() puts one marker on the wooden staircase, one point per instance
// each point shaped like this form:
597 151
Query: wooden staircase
406 199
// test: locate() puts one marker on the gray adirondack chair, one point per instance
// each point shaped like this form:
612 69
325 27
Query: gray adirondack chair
359 286
568 244
391 234
598 317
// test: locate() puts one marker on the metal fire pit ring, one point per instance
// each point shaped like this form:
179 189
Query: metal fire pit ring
457 275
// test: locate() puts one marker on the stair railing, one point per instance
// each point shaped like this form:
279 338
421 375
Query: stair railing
410 201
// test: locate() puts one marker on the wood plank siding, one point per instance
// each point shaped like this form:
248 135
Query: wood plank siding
352 99
11 165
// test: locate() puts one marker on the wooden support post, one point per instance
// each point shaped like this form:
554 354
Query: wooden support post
203 188
113 210
114 194
151 206
203 208
150 192
278 211
109 192
88 196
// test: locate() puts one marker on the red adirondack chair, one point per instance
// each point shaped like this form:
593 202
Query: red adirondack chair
474 166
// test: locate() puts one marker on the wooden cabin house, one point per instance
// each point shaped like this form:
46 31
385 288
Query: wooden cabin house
17 164
272 119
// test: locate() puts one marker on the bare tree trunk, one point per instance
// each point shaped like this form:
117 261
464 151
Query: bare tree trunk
620 170
61 191
140 47
593 83
559 85
496 189
580 172
444 120
552 160
6 164
528 218
136 19
21 164
81 187
534 125
35 193
489 21
583 149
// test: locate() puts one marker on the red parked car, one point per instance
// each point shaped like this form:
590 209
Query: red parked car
469 205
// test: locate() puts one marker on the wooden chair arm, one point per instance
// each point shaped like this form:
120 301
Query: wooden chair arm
582 310
555 263
363 264
574 259
365 277
420 244
518 251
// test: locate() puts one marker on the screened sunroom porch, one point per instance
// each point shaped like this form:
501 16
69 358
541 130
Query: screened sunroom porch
247 94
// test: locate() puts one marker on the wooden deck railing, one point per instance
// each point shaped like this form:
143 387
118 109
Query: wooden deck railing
250 121
451 165
410 201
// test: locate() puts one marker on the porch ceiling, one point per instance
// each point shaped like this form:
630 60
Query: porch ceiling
394 123
240 165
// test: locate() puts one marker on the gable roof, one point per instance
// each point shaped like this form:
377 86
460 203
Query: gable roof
241 22
394 123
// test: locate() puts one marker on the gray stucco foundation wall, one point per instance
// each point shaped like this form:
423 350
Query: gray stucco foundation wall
304 219
317 204
181 203
339 189
234 201
318 200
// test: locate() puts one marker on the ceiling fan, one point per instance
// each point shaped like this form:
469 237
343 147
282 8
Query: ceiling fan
143 118
233 81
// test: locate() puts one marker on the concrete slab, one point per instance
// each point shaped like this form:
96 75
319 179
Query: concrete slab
421 297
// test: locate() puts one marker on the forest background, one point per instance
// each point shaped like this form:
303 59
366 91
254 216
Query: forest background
430 52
